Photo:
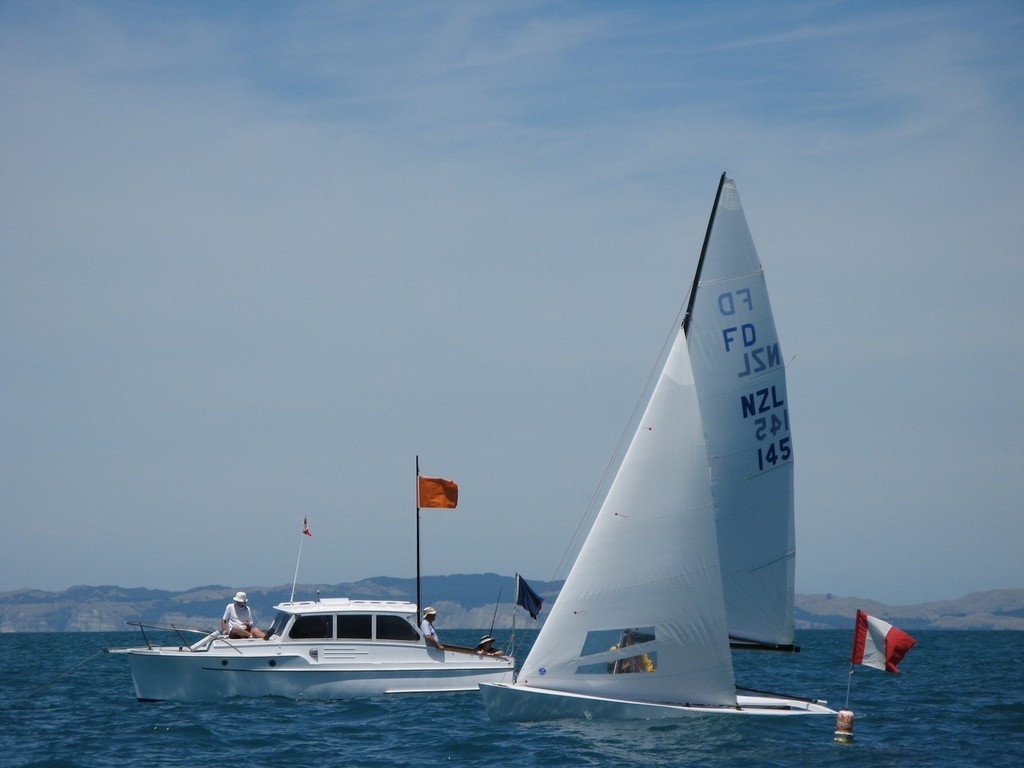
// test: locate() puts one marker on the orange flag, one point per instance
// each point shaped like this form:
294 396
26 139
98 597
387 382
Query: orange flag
437 492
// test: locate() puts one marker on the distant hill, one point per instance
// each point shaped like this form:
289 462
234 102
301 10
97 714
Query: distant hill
995 609
462 600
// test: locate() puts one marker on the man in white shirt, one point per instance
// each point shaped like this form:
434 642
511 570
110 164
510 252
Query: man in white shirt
237 620
427 628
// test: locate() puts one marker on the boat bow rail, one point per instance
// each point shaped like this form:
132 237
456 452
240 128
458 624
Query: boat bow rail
195 646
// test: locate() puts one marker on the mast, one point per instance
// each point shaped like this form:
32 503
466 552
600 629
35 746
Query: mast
700 261
417 540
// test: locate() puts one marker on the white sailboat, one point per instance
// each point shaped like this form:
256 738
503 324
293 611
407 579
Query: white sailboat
692 550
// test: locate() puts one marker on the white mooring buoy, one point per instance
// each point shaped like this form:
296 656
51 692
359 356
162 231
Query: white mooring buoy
844 726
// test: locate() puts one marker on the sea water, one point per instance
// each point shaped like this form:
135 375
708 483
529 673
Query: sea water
958 701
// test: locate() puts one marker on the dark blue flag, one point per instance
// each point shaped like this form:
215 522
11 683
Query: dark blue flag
529 599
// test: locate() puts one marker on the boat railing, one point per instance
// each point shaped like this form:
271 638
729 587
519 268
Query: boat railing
459 648
203 644
474 651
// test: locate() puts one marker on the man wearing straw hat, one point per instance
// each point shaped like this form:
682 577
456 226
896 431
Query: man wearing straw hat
427 628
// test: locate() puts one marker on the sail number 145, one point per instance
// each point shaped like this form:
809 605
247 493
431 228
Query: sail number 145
766 408
774 453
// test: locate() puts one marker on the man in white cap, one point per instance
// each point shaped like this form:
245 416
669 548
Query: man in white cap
427 628
237 620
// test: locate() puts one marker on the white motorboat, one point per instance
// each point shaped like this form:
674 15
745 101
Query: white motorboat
332 648
691 554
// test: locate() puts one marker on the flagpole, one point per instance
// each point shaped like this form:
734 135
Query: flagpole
515 602
494 616
430 492
849 681
297 561
417 538
853 654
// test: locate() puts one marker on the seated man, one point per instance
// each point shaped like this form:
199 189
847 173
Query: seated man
486 647
237 621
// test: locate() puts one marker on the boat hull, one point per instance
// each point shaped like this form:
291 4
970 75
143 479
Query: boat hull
507 702
255 668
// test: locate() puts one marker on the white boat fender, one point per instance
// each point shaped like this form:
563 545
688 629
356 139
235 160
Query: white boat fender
844 727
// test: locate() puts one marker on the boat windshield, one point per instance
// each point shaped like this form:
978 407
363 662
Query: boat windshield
278 624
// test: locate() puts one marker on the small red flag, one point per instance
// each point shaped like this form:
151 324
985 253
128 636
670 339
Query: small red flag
305 527
879 644
437 492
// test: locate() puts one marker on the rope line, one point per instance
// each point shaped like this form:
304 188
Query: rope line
62 674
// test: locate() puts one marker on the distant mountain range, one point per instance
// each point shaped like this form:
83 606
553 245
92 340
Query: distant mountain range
462 601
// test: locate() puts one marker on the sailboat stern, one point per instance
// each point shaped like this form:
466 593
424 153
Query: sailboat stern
779 704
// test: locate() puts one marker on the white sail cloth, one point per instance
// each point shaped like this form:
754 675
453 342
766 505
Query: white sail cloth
741 381
648 571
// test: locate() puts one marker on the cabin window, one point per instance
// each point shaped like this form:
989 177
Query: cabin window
618 651
396 628
312 628
354 626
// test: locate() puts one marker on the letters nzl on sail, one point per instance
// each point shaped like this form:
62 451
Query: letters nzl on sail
765 406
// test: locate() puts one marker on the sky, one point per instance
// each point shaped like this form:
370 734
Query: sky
256 257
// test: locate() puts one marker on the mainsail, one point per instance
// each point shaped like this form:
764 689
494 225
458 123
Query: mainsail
644 595
741 385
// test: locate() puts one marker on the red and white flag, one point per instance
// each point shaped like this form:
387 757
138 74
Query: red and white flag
305 527
878 644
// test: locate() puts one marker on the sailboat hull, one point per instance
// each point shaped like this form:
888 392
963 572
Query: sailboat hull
505 702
